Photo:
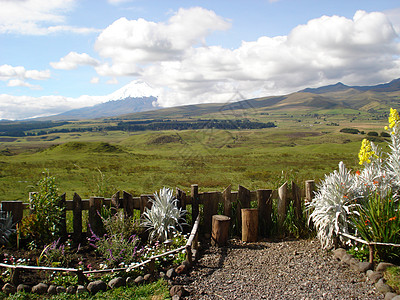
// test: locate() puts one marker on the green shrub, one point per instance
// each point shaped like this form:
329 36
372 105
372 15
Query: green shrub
350 130
43 225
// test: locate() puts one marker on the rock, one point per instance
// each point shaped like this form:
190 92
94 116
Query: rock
396 297
346 258
130 281
364 266
354 264
8 288
162 275
383 266
139 279
170 273
175 297
71 290
177 290
60 289
97 286
373 277
80 289
52 290
116 283
390 295
40 288
147 277
382 286
24 288
339 252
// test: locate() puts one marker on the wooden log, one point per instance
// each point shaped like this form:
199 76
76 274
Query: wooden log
310 188
15 208
195 201
282 205
220 230
296 194
77 219
95 222
227 196
249 224
264 211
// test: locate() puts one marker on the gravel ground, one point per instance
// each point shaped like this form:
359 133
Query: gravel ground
297 269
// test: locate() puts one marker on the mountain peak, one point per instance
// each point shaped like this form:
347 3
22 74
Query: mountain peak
326 89
134 89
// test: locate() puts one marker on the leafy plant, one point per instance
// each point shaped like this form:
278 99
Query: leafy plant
43 226
6 228
163 219
54 255
331 205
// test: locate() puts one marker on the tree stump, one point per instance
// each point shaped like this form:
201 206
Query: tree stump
249 224
220 230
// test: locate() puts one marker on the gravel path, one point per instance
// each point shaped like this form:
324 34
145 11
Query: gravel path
297 269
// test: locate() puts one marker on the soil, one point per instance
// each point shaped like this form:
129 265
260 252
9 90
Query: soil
290 269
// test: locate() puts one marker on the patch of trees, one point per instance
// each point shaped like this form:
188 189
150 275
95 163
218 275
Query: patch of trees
157 125
350 130
19 129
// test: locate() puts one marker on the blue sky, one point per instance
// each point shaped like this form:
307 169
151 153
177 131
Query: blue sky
63 54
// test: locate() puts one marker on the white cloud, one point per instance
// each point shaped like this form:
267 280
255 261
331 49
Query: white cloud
112 81
117 2
73 59
141 41
95 80
37 17
19 82
22 107
9 72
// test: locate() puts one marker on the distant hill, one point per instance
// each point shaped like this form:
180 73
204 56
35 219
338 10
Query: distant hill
392 86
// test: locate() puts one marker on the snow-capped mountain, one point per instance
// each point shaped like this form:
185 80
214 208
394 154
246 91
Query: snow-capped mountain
136 96
134 89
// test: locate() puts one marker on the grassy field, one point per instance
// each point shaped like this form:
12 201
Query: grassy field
302 147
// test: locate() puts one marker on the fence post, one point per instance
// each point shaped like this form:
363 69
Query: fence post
195 201
297 200
282 204
243 201
15 208
63 221
77 218
310 188
264 210
227 195
127 203
95 222
210 209
115 202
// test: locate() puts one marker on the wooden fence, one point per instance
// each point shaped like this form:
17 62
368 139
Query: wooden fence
226 202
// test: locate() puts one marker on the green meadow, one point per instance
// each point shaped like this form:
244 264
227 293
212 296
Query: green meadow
301 147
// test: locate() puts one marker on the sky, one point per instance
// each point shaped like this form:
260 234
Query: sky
64 54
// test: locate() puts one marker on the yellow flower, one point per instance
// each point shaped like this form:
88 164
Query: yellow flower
394 118
366 152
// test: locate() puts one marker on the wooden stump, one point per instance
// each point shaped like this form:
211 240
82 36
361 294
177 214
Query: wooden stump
220 229
249 225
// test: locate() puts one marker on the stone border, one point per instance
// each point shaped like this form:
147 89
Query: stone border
373 277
